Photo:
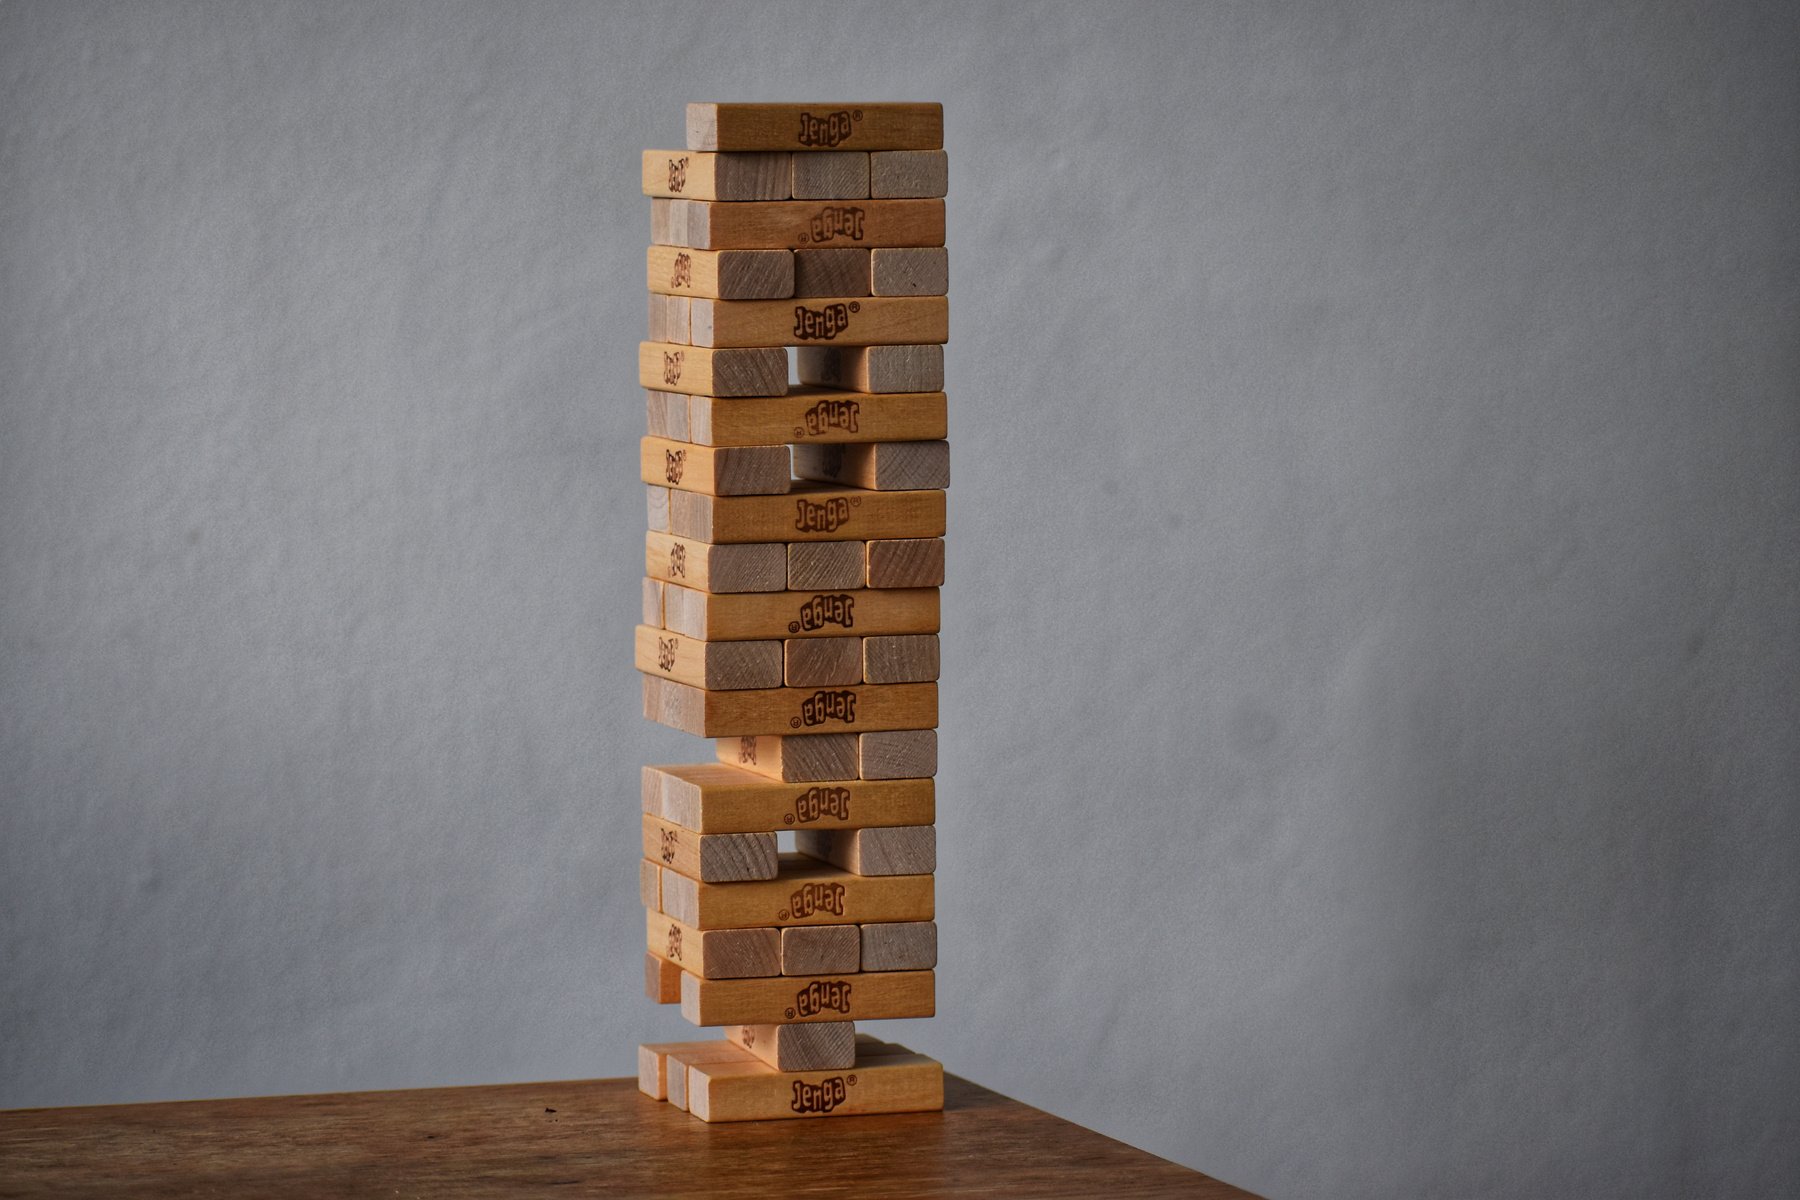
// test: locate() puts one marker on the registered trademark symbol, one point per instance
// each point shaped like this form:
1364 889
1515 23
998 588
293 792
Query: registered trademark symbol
806 237
856 502
793 627
793 722
857 115
788 820
798 432
852 1079
855 306
782 915
790 1014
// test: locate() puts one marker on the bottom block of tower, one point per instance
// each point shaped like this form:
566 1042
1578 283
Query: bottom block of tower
718 1081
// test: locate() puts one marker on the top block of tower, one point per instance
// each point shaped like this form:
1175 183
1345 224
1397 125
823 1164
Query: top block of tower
732 127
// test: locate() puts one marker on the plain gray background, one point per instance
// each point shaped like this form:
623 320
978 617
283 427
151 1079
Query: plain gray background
1369 710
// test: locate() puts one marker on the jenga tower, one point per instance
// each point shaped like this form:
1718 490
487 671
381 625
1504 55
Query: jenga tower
791 601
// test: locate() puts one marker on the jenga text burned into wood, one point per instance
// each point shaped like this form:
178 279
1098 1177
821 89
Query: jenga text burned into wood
790 602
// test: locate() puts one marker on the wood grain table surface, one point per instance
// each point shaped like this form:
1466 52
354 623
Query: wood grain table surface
572 1138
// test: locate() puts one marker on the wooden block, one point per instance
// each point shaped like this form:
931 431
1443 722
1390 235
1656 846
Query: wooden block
821 662
804 759
810 414
715 953
719 666
707 713
903 174
708 857
840 271
812 127
797 224
657 508
657 414
812 512
873 368
650 884
662 979
653 603
653 1064
900 658
720 274
897 562
698 370
716 470
650 793
703 176
807 892
670 319
909 271
893 1083
816 566
900 946
881 466
799 614
817 1046
844 321
830 175
724 798
743 567
898 850
897 754
796 999
821 950
680 1063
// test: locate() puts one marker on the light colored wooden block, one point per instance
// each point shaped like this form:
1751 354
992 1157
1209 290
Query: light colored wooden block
662 979
830 175
900 658
880 466
897 754
798 224
811 512
656 412
650 792
821 950
715 953
708 713
816 1046
698 175
699 370
905 174
715 470
843 271
893 1083
825 566
811 414
804 759
898 850
822 662
799 614
670 319
650 884
912 271
718 666
807 892
890 320
656 504
668 222
873 368
900 946
653 603
725 798
653 1064
812 127
679 1065
709 857
898 562
795 999
742 567
720 274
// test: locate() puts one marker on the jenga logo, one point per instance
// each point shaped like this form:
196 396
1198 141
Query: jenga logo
823 610
822 995
674 953
818 802
665 653
831 414
682 273
822 324
822 516
672 367
823 706
674 463
820 1097
670 840
747 751
678 561
828 130
678 175
747 1036
812 898
836 221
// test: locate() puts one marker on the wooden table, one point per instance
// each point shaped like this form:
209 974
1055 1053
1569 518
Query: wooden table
595 1137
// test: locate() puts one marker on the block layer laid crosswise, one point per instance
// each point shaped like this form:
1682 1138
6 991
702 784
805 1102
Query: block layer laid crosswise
790 602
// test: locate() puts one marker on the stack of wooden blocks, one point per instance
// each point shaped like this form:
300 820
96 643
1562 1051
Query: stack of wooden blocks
791 601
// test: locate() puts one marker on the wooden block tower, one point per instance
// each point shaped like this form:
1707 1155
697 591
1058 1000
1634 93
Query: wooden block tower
791 601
